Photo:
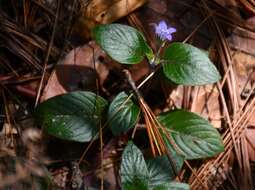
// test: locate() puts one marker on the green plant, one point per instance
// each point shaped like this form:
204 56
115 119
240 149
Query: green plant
174 136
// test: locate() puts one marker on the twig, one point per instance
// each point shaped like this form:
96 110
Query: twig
48 53
152 126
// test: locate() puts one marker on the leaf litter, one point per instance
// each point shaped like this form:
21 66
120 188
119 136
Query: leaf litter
25 35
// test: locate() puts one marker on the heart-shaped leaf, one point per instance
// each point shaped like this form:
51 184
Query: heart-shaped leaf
133 171
123 114
173 186
74 116
194 136
122 43
188 65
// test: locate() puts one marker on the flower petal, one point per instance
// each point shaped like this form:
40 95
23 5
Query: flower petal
158 30
171 30
163 31
168 37
162 25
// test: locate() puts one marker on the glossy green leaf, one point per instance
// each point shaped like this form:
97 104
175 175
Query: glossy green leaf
74 116
123 43
133 171
194 136
136 174
188 65
161 171
173 186
137 184
123 114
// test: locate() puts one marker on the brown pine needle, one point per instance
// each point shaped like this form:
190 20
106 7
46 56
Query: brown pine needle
150 136
152 127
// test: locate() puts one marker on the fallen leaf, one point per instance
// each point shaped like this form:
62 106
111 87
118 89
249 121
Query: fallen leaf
206 102
244 40
250 136
76 71
103 12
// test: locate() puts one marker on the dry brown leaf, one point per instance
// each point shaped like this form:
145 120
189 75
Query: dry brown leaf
250 136
107 11
244 63
244 40
76 71
176 97
243 51
206 102
104 12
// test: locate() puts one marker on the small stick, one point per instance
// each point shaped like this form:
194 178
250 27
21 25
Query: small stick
48 54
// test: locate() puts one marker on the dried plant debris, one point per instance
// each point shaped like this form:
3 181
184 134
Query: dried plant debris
26 165
81 69
55 48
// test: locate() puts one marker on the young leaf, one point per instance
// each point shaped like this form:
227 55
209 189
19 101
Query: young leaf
123 114
194 136
122 43
74 116
172 186
188 65
133 170
160 170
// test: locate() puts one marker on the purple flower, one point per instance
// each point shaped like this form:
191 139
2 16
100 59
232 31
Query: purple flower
163 32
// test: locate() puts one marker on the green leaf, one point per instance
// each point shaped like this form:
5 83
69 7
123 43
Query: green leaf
74 116
122 43
194 136
137 175
188 65
133 170
173 186
137 184
123 114
161 171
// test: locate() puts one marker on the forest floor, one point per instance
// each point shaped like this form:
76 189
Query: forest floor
46 49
